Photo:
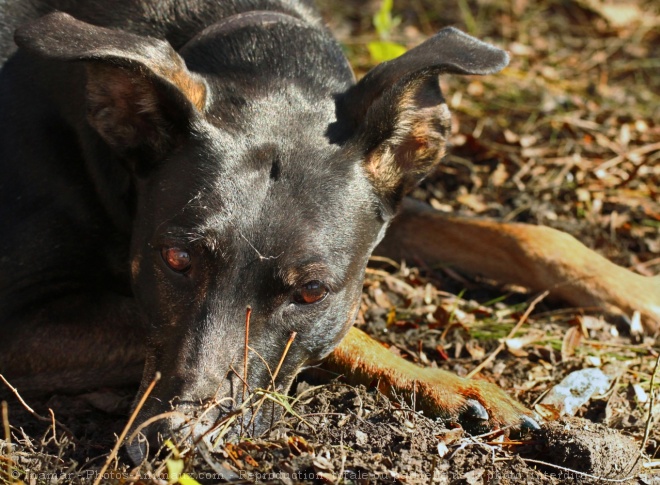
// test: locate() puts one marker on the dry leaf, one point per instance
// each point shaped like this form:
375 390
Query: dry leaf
547 411
640 393
475 350
571 341
618 13
475 89
510 136
472 201
499 175
298 445
516 345
381 298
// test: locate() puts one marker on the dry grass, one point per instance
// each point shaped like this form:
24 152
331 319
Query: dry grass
567 136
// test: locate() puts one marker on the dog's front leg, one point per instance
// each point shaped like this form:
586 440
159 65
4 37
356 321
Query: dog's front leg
537 257
476 405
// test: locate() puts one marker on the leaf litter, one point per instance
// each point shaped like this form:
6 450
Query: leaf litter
566 136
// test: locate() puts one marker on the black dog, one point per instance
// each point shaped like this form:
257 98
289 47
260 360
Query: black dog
166 165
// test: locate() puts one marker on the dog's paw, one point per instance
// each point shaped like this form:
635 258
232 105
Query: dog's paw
478 406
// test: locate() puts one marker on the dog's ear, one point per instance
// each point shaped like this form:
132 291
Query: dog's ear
140 96
397 116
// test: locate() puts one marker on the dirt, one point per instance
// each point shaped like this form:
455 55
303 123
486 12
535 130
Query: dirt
590 448
564 137
343 434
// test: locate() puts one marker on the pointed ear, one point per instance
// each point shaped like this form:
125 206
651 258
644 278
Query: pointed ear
397 116
140 96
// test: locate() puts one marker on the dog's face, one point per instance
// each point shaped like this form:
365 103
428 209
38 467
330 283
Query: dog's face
263 181
257 223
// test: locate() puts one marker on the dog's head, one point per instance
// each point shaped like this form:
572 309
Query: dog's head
263 179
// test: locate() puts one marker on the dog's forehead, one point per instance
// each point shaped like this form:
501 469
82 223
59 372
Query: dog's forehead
282 182
277 150
277 188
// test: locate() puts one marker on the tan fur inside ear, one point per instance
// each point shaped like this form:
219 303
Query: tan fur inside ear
193 88
190 84
416 146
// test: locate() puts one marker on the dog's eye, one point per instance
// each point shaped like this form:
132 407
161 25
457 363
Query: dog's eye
311 292
177 259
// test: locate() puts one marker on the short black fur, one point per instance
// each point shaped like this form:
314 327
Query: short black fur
230 131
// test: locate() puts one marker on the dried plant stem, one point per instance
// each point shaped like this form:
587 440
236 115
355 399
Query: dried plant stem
246 350
277 371
649 420
513 331
153 419
34 413
53 424
286 351
5 425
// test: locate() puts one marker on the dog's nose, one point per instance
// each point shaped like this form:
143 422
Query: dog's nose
184 426
187 428
137 450
188 423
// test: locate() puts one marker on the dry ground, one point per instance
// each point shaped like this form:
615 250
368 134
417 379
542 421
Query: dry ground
567 136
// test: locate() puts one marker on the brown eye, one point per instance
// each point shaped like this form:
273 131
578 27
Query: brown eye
311 292
177 259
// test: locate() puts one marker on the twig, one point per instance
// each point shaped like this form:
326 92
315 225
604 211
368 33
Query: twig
286 351
375 271
343 458
153 419
598 343
513 331
643 150
383 259
452 316
34 413
277 370
120 439
570 470
53 422
434 463
649 420
245 350
240 378
5 425
645 264
214 404
263 361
